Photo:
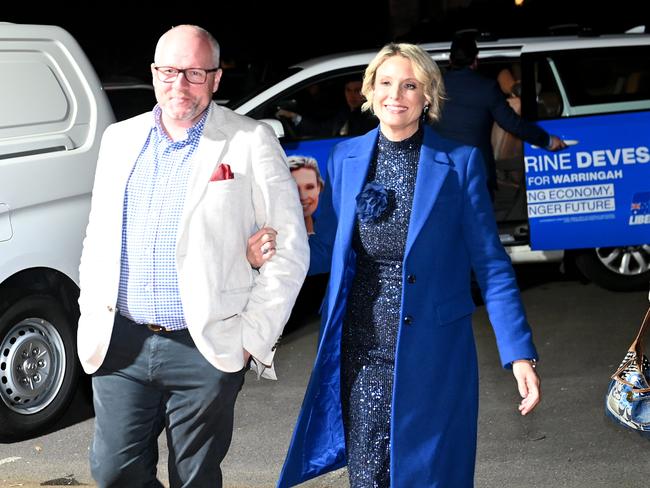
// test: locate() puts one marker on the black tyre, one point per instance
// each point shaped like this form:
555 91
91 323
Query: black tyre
617 268
38 366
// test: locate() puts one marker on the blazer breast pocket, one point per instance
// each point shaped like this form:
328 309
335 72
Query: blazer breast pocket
228 203
233 184
226 193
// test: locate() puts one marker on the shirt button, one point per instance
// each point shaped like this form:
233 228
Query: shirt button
408 320
410 279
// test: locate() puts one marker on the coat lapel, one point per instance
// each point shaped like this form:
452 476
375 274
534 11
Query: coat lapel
432 171
354 172
207 157
127 154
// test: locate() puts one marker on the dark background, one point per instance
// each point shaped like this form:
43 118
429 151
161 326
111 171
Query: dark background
261 37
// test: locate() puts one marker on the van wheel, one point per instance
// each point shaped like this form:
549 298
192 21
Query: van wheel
38 367
617 268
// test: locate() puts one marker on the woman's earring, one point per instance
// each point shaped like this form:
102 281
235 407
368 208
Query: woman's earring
425 113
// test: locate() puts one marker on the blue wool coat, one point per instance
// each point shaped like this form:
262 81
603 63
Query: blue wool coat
435 395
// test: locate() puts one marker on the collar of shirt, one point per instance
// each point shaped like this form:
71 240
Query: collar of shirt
193 133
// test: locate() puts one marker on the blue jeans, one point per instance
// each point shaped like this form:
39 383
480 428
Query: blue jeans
153 381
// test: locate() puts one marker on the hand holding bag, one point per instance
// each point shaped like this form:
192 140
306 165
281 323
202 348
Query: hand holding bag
628 395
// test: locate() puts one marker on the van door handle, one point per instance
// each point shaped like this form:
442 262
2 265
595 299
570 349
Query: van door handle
568 142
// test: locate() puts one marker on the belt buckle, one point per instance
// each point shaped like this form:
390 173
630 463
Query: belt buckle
156 328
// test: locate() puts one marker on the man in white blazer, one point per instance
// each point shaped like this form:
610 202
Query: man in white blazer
171 310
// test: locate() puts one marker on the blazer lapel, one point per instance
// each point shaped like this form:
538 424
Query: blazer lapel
127 154
433 168
206 158
354 172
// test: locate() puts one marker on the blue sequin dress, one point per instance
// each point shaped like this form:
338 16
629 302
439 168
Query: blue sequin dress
372 317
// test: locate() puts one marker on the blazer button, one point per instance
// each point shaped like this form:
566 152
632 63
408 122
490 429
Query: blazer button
408 320
410 279
110 309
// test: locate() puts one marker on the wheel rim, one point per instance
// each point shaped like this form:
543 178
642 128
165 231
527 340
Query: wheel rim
32 366
627 261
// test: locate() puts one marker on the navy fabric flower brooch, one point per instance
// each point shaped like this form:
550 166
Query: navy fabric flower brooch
372 202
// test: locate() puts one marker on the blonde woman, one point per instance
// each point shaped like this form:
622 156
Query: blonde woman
405 216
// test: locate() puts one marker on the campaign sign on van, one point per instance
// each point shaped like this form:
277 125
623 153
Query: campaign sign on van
596 192
318 149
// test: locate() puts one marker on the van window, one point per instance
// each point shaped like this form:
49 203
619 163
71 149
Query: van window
44 99
547 93
130 99
598 76
31 94
317 101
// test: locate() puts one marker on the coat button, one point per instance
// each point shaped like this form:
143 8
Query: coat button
410 279
408 320
110 309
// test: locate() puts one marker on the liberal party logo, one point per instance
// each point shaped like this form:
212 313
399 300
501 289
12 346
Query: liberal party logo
640 209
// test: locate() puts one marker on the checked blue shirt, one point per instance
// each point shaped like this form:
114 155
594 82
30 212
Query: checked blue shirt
153 206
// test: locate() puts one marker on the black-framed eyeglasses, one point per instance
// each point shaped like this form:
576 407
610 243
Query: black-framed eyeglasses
197 76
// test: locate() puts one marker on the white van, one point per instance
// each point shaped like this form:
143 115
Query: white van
53 115
588 204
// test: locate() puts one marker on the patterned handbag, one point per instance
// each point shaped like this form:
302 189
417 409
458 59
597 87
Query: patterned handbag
628 395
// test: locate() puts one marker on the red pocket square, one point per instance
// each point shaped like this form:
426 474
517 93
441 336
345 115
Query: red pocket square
223 172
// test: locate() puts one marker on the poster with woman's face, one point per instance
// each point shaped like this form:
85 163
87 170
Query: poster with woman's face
305 172
308 188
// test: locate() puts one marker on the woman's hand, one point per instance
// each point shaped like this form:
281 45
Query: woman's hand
261 246
528 384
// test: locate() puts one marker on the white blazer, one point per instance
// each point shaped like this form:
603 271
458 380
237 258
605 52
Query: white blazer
228 306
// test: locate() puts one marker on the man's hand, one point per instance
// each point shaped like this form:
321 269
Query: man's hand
261 246
288 115
515 104
556 144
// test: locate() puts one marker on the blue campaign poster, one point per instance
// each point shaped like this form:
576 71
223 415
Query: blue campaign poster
319 149
595 193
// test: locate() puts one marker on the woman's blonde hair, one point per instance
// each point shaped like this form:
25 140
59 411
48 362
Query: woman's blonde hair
425 69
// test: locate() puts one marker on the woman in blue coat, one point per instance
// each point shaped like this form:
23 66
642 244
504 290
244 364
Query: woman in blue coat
405 217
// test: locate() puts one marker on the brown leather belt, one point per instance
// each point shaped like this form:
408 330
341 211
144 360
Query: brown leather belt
158 328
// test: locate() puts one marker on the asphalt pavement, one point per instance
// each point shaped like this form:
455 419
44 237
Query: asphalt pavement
581 331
